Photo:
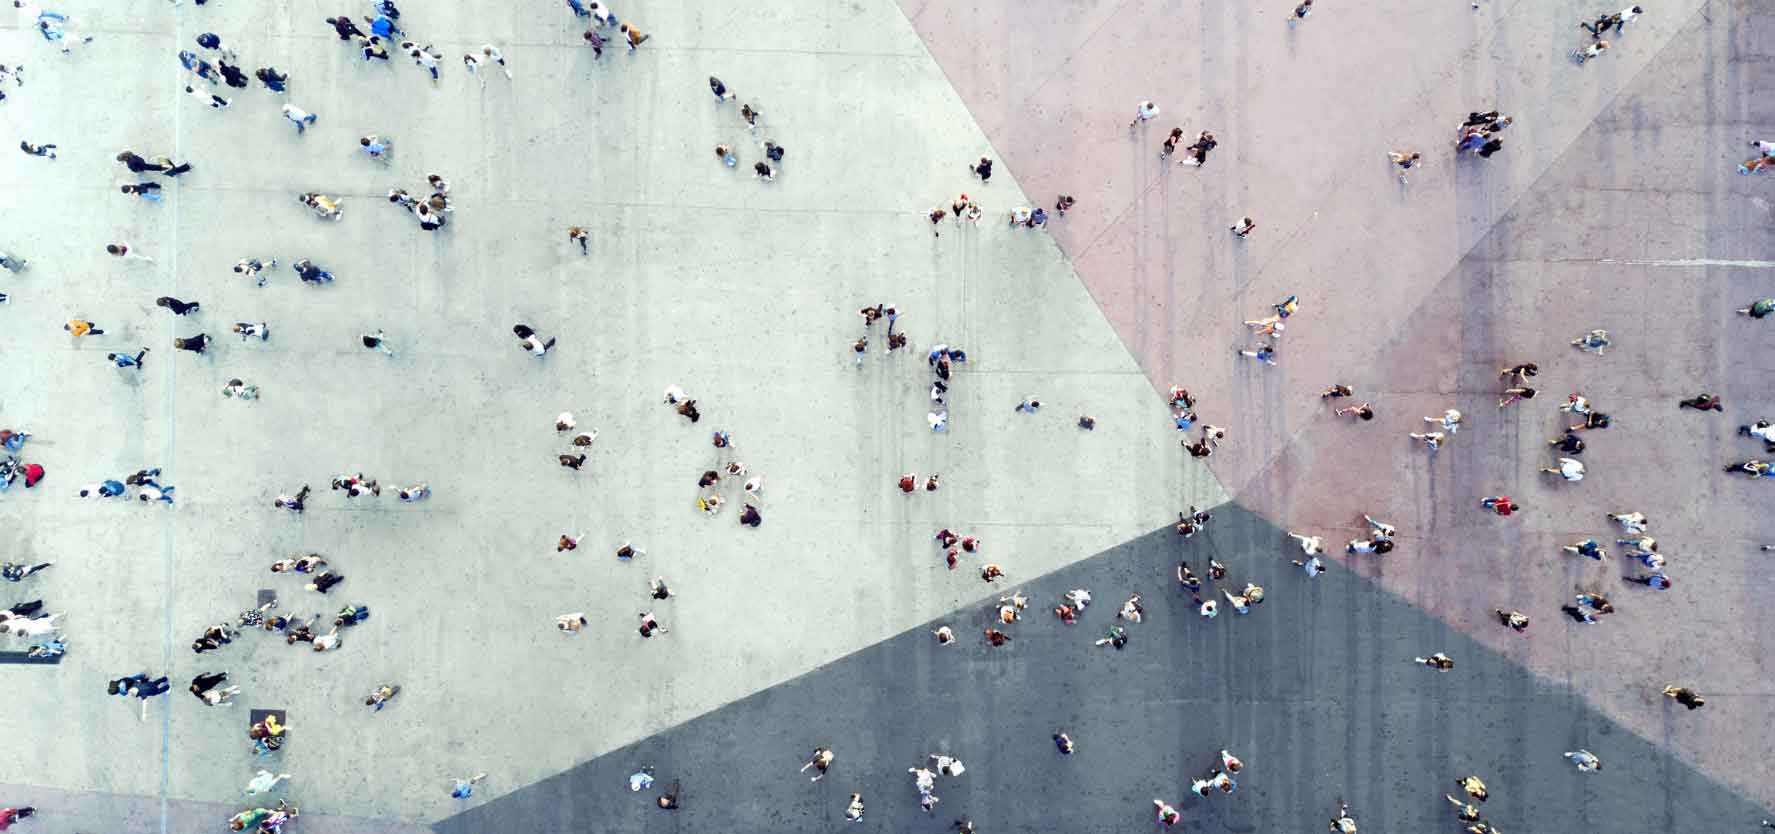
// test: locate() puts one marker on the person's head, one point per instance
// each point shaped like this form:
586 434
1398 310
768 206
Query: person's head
1637 10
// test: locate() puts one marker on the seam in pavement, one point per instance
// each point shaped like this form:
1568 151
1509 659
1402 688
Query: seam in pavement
1269 466
167 526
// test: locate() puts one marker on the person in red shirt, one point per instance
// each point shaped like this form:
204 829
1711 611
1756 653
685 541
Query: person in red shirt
8 816
1500 504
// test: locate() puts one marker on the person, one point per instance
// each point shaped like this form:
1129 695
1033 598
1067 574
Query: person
1116 638
1569 468
722 94
1167 815
571 623
8 816
1432 440
81 327
854 811
1594 341
1438 661
179 308
634 36
1513 620
1242 229
649 625
1759 308
1587 547
463 788
1632 522
1655 581
376 341
1203 144
1147 111
140 687
1761 430
531 342
299 117
1405 160
1515 395
1464 811
1063 743
273 80
1263 353
1583 55
1362 412
1474 786
264 782
1703 402
1584 760
1685 696
16 572
982 169
1500 504
1570 444
1343 823
820 760
376 147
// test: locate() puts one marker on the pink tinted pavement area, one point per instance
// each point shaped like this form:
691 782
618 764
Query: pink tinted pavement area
1614 187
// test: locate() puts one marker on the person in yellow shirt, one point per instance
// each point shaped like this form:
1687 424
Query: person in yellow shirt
78 327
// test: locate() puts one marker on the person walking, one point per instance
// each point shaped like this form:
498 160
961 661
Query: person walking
299 117
1204 143
1146 112
1685 696
274 81
81 327
126 252
531 342
376 341
1406 160
179 308
1500 505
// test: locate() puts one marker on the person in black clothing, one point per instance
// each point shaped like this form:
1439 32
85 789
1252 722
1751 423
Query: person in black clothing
231 75
178 307
160 165
195 344
344 27
205 683
272 79
1204 143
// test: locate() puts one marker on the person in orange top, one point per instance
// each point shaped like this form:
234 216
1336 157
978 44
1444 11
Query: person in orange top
79 327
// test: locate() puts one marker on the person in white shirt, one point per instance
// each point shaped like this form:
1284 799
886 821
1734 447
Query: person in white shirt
1309 545
1147 111
1585 760
1569 469
328 641
1450 420
264 782
23 627
492 53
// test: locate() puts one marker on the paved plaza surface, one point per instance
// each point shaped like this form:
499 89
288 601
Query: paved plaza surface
1613 204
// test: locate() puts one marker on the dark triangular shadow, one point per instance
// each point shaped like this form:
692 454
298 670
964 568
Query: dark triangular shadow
1314 689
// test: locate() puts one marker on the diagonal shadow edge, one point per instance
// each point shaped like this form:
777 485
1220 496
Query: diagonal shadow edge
1314 689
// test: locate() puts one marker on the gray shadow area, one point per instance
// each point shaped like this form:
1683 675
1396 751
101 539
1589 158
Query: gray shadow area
1314 690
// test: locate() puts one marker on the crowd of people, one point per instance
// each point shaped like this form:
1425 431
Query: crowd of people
213 68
